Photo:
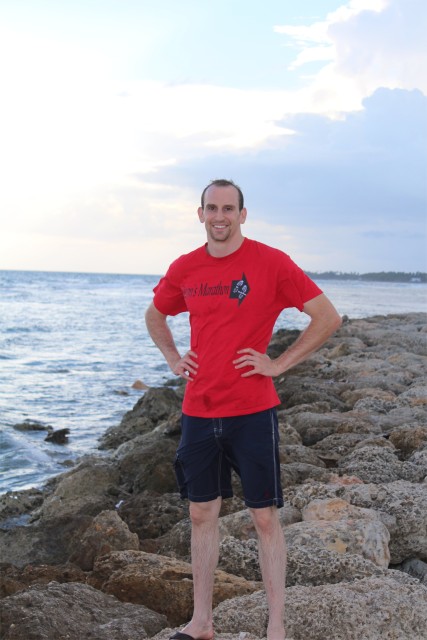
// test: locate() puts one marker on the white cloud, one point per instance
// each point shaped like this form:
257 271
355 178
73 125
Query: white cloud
315 40
367 44
205 115
385 49
339 194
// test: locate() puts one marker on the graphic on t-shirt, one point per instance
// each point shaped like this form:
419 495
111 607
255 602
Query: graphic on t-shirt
206 289
240 289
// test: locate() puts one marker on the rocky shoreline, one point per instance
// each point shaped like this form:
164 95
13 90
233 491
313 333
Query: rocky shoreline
102 551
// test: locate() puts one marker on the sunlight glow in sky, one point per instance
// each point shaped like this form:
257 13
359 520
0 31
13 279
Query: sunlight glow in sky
116 114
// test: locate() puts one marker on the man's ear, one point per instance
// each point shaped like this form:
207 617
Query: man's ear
201 214
243 215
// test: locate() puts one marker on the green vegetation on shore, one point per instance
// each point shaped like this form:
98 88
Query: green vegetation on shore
382 276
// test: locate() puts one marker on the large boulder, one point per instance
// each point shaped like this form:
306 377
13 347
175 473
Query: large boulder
385 399
402 506
49 542
337 445
370 608
176 543
300 472
73 612
107 532
298 453
146 464
368 538
13 579
16 506
313 427
311 566
380 465
240 558
57 525
156 405
152 514
411 416
307 564
407 439
92 486
160 583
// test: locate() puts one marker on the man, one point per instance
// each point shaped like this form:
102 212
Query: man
234 289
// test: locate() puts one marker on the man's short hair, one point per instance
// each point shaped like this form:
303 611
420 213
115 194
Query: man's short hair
220 182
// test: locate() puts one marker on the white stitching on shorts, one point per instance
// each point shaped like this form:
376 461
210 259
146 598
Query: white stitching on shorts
274 456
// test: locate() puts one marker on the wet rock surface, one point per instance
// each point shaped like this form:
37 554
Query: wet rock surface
103 550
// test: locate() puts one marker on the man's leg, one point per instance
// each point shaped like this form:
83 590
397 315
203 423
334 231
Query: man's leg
204 559
272 559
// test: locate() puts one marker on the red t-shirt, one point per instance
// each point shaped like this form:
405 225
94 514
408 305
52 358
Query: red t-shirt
233 304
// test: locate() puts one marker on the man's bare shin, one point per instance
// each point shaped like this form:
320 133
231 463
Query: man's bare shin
204 560
272 559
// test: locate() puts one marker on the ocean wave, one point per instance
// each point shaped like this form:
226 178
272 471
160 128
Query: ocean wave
36 328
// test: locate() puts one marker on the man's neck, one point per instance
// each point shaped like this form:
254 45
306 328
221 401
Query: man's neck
223 249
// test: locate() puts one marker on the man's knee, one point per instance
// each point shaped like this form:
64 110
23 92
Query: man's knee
205 512
266 520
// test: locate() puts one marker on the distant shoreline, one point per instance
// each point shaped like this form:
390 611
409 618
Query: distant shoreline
382 276
417 277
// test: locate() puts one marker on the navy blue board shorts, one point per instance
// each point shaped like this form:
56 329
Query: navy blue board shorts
211 447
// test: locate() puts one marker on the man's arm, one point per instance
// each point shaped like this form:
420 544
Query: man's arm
159 330
324 320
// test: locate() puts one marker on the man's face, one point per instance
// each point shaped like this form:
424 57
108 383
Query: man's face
221 214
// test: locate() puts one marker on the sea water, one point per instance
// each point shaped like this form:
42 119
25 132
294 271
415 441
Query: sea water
72 344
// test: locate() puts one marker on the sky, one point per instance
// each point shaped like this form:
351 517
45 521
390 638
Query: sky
115 114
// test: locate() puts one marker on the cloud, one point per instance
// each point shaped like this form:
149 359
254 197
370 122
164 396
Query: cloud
368 164
365 166
367 45
315 41
359 180
384 49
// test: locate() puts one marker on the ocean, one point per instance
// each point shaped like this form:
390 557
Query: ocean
72 344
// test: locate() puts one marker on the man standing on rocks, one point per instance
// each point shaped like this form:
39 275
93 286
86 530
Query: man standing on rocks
234 289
